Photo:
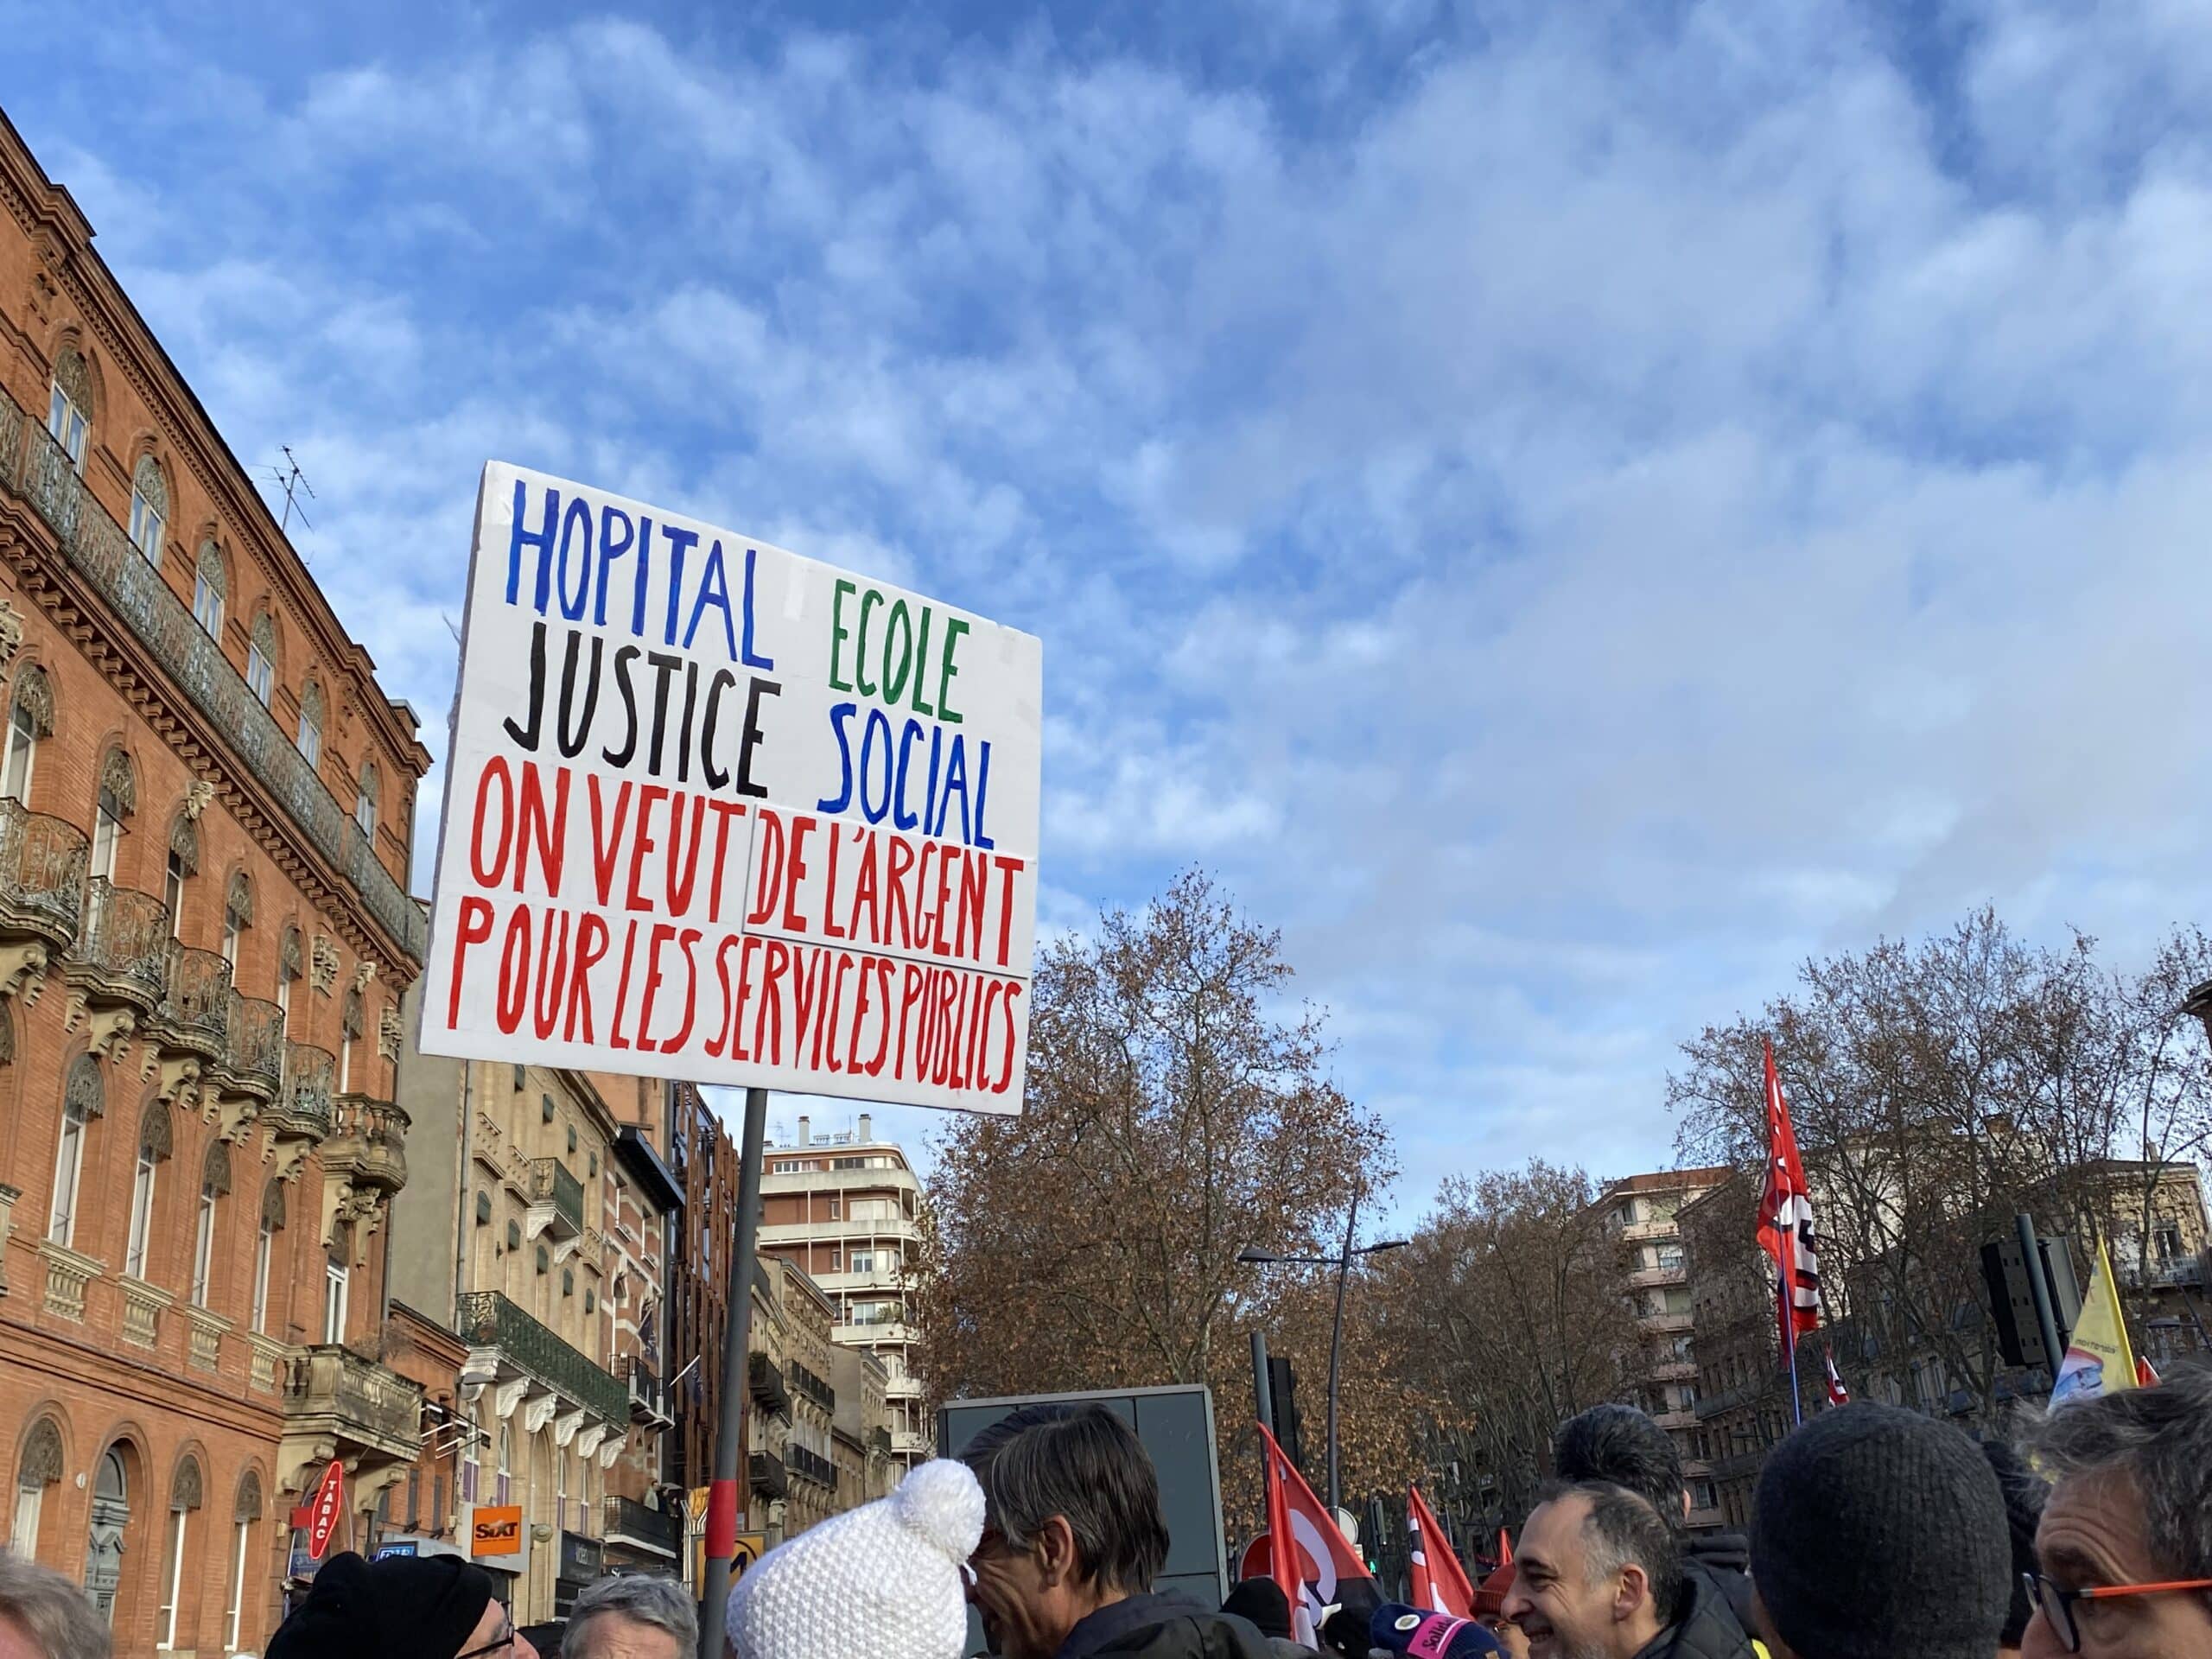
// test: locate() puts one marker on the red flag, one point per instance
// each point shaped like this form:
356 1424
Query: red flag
1309 1556
1439 1585
1504 1548
1838 1395
2145 1376
1786 1221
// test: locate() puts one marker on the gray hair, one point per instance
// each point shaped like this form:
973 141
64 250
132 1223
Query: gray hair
2159 1441
58 1615
1624 1528
662 1603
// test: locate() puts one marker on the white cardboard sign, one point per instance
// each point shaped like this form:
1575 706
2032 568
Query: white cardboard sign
716 811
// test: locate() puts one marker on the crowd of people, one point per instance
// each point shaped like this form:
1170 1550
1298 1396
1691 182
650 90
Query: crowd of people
1876 1534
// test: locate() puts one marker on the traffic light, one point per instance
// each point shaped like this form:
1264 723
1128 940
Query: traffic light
1282 1387
2011 1298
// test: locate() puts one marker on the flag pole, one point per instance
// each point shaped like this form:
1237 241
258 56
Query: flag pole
1789 1331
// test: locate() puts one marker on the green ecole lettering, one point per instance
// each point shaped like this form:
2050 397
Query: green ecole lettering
954 628
860 645
922 666
837 629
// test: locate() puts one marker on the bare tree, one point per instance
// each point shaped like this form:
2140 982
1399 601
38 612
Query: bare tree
1174 1117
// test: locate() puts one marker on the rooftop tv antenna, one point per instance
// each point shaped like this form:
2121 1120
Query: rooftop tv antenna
290 483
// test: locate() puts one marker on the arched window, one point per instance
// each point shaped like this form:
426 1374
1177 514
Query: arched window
118 800
337 1277
244 1513
261 658
506 1457
209 588
111 1515
349 1033
365 803
288 971
310 737
30 718
149 508
69 406
214 1187
183 864
264 1247
184 1498
156 1141
238 915
83 1099
39 1468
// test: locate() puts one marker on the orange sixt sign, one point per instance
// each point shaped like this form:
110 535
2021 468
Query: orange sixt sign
497 1530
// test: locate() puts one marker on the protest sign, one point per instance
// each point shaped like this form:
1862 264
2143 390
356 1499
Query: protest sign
716 811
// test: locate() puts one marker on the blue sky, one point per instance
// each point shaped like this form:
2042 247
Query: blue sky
1565 509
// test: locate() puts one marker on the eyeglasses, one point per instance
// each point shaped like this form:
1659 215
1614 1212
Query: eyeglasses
506 1639
2057 1602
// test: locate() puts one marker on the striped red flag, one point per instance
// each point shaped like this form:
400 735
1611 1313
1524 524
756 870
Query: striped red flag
1439 1582
1786 1232
1307 1555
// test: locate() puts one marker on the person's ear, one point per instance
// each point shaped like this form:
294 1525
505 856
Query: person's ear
1630 1592
1052 1547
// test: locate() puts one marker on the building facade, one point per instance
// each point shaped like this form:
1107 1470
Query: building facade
1640 1212
206 820
537 1231
703 1159
847 1208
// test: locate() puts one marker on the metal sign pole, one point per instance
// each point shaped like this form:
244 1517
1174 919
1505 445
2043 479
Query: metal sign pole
721 1496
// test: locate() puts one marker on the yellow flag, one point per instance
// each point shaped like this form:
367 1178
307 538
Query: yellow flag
2098 1358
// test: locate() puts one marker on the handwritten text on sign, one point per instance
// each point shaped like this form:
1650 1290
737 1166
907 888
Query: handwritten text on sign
720 812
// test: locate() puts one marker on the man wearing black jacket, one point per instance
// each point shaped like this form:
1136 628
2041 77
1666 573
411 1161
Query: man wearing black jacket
1073 1538
1620 1444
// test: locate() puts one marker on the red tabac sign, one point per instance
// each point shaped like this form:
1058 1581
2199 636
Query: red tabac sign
324 1508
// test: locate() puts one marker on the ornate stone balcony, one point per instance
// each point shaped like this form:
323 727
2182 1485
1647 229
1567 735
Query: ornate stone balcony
368 1143
68 1274
142 1307
249 1072
341 1403
119 967
42 867
206 1330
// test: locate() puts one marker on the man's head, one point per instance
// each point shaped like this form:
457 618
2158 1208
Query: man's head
631 1617
1071 1521
434 1606
1623 1446
43 1616
1877 1530
2131 1502
1597 1574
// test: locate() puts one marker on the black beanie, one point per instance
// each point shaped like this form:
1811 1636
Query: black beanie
1877 1532
423 1606
1262 1604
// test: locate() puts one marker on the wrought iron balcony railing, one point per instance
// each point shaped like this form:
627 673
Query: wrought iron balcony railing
194 1010
488 1319
303 1108
122 952
100 551
810 1465
42 867
253 1050
765 1471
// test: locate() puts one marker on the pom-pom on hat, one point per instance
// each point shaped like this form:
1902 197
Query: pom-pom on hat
883 1580
1395 1628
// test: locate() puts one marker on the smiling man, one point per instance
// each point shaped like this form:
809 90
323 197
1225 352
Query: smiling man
2126 1540
1598 1575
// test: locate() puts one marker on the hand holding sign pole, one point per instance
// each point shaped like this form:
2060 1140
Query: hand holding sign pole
717 811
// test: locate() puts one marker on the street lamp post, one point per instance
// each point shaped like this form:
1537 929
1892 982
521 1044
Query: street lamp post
1342 1263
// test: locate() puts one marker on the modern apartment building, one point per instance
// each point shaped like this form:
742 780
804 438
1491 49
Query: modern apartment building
206 810
537 1229
1640 1212
847 1208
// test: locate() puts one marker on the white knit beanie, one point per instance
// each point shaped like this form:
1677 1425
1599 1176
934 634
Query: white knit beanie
883 1580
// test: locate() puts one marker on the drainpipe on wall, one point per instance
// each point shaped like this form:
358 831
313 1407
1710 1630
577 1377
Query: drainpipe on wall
465 1228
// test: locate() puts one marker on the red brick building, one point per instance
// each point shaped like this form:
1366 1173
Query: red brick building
205 808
